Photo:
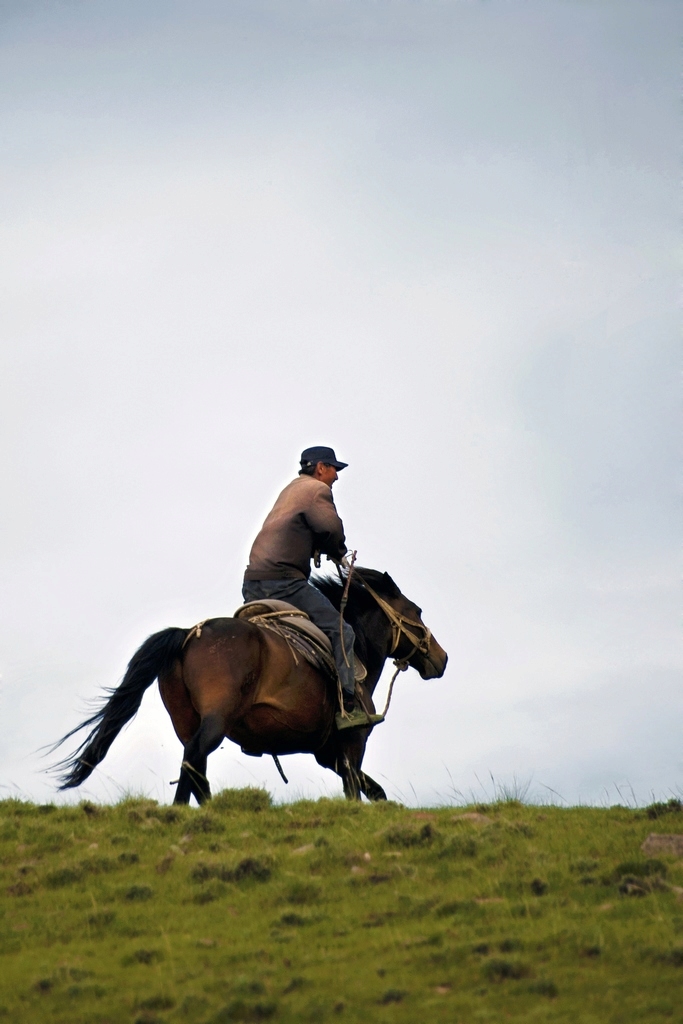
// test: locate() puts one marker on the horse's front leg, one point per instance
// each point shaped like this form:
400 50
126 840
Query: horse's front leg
351 778
343 754
348 762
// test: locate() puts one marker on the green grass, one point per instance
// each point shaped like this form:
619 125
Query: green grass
325 910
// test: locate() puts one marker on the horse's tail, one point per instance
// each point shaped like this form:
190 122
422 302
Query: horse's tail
157 654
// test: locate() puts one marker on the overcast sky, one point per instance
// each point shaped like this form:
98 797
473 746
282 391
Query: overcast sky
437 235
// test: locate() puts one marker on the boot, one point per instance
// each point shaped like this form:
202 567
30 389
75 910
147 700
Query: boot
354 716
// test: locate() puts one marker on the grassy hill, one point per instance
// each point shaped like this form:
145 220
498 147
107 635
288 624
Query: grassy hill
328 911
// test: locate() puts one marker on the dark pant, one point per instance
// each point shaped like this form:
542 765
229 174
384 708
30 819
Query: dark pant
304 596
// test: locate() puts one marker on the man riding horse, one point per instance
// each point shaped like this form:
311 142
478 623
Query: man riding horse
302 524
228 677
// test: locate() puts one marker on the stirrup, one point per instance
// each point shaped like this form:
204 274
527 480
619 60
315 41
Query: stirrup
356 719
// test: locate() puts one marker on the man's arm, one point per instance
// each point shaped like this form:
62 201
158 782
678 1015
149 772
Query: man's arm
324 522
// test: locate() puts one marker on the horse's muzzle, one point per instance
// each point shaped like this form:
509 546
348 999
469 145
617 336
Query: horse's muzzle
434 665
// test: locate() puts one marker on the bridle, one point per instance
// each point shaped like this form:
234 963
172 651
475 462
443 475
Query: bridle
399 627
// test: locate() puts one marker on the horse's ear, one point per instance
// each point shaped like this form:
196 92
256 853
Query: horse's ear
391 586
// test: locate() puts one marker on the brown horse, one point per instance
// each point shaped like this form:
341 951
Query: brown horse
232 679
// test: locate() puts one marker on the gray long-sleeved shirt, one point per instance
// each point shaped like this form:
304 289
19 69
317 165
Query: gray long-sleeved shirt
302 521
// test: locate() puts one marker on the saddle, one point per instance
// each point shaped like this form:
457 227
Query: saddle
298 630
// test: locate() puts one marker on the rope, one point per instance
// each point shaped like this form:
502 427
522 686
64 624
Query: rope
342 608
289 613
195 631
192 770
304 643
401 666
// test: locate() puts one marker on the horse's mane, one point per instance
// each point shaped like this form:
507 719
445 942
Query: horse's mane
359 598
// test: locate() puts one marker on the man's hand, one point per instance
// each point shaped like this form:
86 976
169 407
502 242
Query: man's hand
341 563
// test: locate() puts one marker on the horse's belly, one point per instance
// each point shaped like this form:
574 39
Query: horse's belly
274 728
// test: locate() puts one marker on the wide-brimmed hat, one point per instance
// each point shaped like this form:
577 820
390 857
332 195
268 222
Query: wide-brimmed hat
311 456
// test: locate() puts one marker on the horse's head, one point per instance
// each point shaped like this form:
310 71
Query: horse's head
412 641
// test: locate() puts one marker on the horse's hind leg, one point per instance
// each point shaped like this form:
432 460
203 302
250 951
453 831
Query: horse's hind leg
193 778
372 790
193 782
186 784
184 790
